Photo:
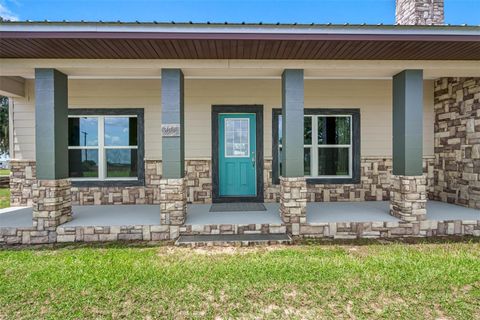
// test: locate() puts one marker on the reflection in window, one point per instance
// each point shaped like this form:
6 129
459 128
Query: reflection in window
121 163
83 163
83 131
103 147
333 162
334 130
307 159
120 131
307 130
330 155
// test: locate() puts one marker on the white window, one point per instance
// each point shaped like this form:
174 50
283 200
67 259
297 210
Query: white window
327 146
237 137
103 147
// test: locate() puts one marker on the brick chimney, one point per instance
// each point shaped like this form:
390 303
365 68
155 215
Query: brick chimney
419 12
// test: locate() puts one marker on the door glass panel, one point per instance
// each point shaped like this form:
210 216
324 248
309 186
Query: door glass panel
334 130
333 162
237 137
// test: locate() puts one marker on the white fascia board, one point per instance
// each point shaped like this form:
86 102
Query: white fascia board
245 29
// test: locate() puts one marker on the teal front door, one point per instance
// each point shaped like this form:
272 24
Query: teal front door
237 155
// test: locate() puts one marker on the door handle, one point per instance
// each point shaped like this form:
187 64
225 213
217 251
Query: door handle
253 159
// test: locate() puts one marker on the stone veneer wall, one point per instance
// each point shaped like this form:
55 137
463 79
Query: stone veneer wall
375 183
409 198
22 179
419 12
332 230
199 185
457 141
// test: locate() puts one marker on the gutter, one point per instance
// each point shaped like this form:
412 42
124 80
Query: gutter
235 29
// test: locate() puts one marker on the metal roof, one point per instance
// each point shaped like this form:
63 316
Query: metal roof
232 23
180 40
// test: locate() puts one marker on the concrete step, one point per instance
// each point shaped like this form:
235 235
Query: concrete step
233 239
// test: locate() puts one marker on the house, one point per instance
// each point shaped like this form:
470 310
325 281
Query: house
170 114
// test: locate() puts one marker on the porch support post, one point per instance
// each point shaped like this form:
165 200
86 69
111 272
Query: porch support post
51 193
173 194
293 187
408 197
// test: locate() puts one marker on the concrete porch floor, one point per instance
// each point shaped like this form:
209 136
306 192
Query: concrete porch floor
198 214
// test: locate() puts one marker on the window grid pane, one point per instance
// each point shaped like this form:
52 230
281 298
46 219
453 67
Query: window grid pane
334 161
237 138
334 134
121 163
104 151
334 130
83 163
83 132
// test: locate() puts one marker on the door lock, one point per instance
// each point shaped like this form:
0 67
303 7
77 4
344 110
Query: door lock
253 159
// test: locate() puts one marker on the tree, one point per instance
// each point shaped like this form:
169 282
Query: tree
3 125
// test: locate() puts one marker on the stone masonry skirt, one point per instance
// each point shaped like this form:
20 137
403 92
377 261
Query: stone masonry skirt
408 200
293 202
336 230
52 204
173 201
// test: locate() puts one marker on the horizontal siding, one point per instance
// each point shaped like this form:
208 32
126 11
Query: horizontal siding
24 124
373 97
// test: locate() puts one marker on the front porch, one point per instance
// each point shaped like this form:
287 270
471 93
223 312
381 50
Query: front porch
199 214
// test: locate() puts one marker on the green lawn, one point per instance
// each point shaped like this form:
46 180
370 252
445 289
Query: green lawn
4 172
376 281
4 198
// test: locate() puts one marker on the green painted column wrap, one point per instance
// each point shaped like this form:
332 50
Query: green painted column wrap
292 124
408 123
51 124
173 137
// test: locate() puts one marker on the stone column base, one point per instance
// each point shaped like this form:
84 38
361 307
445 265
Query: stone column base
52 205
173 201
408 198
293 202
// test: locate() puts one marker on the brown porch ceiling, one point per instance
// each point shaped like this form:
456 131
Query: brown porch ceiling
356 43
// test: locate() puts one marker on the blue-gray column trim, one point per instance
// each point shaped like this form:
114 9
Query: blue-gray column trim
408 123
292 127
173 147
51 124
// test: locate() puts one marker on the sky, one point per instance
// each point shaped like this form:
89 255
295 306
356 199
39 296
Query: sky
284 11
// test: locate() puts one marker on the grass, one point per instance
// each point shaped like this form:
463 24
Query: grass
4 172
4 198
376 281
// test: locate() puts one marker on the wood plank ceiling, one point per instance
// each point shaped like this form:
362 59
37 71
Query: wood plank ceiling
235 46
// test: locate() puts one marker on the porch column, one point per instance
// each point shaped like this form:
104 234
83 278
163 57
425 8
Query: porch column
173 193
51 193
293 186
408 197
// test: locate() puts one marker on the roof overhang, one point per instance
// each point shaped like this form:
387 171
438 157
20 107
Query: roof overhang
240 41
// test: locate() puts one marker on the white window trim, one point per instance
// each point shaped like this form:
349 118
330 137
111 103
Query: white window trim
314 146
102 165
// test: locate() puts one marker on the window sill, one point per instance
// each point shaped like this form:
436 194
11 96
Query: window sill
329 181
332 181
108 183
